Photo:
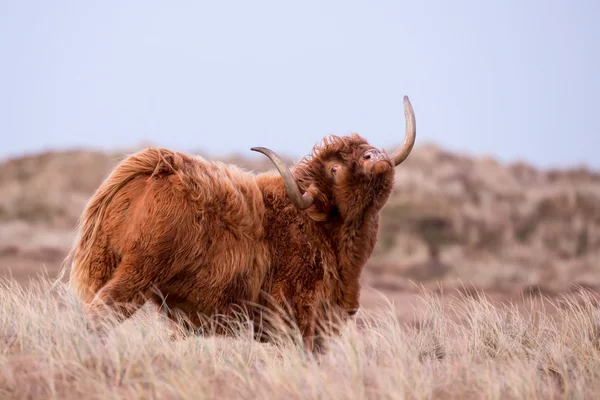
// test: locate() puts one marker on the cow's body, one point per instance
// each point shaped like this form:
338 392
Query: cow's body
205 237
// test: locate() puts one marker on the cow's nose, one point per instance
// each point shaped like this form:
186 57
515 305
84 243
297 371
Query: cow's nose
374 155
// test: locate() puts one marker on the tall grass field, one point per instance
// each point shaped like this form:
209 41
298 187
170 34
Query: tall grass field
473 349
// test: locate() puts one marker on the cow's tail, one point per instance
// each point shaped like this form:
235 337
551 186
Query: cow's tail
149 162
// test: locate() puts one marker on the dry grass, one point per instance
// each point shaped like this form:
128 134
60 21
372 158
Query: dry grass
474 349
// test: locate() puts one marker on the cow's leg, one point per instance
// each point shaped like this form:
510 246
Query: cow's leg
188 317
103 263
181 316
126 291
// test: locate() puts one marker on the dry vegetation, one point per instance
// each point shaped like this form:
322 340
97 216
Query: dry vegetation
453 222
469 349
501 227
451 219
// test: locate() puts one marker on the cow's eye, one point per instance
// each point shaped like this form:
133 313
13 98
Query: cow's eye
334 170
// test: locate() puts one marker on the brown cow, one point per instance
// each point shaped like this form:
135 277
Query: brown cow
209 236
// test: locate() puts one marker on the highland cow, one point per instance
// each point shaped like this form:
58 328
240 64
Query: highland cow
210 237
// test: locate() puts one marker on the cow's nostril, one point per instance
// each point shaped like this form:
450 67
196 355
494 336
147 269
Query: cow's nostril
367 157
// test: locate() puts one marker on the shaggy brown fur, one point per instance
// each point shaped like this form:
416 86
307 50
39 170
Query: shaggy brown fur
164 222
210 237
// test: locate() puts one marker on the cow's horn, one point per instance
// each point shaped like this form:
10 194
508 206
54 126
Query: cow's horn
301 201
409 138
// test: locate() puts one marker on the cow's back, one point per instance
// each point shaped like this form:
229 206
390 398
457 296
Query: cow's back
195 226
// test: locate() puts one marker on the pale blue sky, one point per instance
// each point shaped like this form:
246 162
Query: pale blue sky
513 79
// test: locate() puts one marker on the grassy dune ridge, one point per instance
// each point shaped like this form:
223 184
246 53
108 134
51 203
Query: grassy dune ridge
451 217
471 348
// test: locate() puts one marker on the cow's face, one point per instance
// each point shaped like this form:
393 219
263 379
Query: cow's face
350 175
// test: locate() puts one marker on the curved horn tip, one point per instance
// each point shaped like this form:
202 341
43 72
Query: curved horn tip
409 139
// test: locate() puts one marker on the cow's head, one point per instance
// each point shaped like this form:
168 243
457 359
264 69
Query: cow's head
344 175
